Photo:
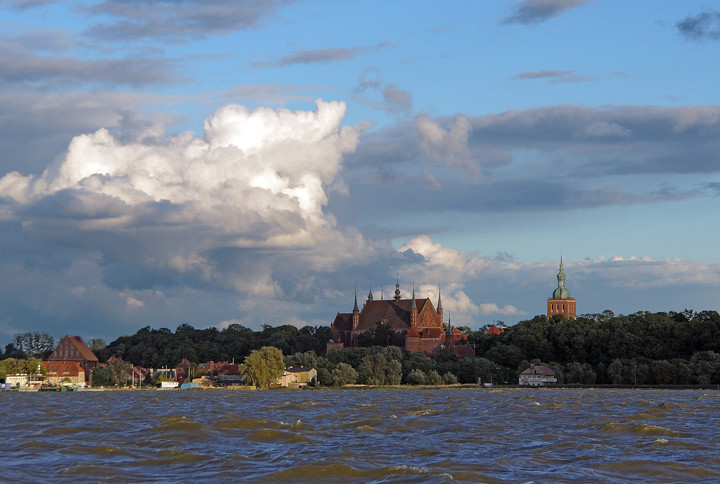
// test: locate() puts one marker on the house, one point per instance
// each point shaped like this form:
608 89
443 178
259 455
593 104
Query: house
537 375
64 373
73 348
418 322
296 377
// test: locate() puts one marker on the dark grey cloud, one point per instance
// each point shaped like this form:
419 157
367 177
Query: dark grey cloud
176 20
536 11
397 99
553 76
598 152
322 56
372 90
705 25
18 66
26 4
42 40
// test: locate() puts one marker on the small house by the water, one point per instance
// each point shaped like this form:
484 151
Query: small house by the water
296 377
537 375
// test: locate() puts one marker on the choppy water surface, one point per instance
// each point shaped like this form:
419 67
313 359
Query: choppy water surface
438 435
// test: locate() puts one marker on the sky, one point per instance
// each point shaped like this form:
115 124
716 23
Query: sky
258 162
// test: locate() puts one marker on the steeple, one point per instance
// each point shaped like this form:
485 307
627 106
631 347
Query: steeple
561 303
356 312
439 306
397 289
449 343
370 295
413 309
561 292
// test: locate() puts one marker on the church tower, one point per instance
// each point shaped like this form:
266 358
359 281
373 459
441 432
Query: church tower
561 303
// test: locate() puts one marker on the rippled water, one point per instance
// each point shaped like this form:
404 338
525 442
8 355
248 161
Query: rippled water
394 435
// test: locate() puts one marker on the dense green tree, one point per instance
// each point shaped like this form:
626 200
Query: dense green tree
343 374
120 370
102 377
477 370
416 377
97 345
308 359
264 366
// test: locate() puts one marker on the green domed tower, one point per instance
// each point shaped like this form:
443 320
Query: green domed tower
561 303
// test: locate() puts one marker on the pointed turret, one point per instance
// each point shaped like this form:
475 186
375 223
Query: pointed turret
449 342
561 303
355 313
397 290
413 309
370 296
561 292
439 306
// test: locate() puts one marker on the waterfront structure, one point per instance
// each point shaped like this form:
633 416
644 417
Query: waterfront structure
73 348
64 372
537 375
418 322
561 303
296 377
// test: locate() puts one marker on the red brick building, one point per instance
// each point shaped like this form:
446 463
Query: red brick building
73 348
561 303
417 320
59 372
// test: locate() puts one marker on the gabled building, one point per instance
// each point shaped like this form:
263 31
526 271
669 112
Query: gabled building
417 320
73 348
296 377
561 303
64 372
537 375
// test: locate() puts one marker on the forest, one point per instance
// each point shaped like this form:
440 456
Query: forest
643 348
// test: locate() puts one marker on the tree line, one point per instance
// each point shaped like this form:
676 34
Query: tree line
676 348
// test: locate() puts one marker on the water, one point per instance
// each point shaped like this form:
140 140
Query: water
394 435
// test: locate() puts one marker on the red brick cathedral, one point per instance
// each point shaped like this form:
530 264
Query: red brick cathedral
417 320
561 303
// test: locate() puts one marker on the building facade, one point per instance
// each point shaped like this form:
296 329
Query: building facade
73 348
561 303
537 375
418 322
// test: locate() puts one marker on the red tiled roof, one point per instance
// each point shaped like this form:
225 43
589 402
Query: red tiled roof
539 370
494 330
62 367
77 342
412 333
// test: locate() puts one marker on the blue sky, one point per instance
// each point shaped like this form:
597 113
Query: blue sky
213 162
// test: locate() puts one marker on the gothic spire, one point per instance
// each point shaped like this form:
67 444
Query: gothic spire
370 295
355 308
397 289
413 305
439 306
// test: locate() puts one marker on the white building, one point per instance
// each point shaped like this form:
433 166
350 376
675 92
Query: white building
537 375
